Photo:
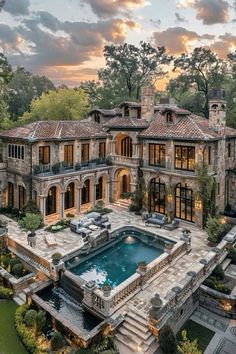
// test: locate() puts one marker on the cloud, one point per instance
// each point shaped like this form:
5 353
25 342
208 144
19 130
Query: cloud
9 39
225 44
175 39
111 8
211 11
17 7
184 4
155 23
179 18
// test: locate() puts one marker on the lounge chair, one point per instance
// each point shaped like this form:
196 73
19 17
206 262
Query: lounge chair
50 240
172 226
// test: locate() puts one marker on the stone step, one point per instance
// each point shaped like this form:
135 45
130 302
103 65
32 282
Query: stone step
22 296
124 340
137 318
143 336
133 321
138 313
130 335
153 348
18 300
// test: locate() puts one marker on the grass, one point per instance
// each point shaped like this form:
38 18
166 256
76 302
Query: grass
197 331
9 340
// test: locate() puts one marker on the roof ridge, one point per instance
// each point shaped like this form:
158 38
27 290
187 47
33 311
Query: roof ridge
198 128
32 135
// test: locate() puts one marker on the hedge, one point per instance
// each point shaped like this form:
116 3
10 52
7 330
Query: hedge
26 336
5 293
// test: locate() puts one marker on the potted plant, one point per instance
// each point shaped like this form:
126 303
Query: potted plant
106 289
168 247
142 266
56 257
186 232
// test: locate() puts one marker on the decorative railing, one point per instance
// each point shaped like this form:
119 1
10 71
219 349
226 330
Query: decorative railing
3 165
125 160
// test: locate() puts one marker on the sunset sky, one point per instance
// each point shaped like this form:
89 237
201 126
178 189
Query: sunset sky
64 39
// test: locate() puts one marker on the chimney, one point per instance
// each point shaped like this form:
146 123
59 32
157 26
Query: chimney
147 102
217 110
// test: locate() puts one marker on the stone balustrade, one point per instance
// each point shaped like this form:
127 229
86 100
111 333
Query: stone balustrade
121 160
17 284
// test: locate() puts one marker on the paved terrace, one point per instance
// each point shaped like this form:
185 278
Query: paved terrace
69 242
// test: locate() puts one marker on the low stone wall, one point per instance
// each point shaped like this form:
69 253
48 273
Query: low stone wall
221 304
17 285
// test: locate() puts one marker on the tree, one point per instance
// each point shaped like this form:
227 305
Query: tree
214 229
40 322
30 222
22 89
187 347
56 341
30 317
5 71
133 66
62 104
167 340
203 69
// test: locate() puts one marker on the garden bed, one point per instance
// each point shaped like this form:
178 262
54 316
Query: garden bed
59 226
196 331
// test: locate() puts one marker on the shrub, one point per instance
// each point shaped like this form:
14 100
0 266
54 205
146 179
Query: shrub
26 336
6 261
167 340
30 317
5 293
56 168
218 272
30 222
31 207
13 262
70 215
232 254
214 229
40 322
18 270
56 341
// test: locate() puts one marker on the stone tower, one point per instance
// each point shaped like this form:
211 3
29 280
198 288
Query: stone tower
147 103
217 111
217 122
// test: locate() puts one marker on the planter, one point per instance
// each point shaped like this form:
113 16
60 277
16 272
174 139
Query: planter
106 289
56 257
142 267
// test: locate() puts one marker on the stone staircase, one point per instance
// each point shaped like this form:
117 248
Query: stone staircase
122 203
135 335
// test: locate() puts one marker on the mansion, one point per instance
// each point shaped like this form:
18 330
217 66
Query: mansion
66 167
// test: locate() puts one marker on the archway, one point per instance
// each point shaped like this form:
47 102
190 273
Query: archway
157 196
51 201
123 183
124 145
21 197
100 188
70 196
184 203
85 195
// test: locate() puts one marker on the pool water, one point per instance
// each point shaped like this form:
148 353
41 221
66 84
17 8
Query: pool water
117 263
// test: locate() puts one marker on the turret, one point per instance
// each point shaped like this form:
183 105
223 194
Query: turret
217 110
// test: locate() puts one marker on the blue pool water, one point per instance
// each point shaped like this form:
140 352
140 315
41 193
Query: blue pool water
118 262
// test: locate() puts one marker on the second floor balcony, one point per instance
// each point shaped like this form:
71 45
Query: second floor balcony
63 167
125 160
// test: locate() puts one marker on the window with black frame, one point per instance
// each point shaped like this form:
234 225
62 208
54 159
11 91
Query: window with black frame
157 155
99 189
51 201
157 196
184 203
126 147
70 196
185 158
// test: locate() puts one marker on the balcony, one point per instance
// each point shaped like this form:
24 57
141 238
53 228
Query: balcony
65 168
3 165
125 160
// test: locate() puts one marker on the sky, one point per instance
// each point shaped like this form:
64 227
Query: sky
64 39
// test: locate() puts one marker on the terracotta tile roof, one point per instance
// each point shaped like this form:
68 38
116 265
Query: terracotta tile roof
127 123
189 127
47 130
107 112
175 109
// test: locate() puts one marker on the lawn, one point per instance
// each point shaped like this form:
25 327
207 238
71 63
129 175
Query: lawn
9 341
197 331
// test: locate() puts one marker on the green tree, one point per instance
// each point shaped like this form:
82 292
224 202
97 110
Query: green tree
133 67
56 341
40 322
203 70
188 347
214 229
22 89
30 222
62 104
30 317
5 71
167 340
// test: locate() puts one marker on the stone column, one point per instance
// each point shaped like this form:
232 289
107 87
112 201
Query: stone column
107 199
78 200
42 206
93 196
62 202
113 147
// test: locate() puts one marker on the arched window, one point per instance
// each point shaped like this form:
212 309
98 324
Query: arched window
97 117
34 197
184 203
126 147
21 197
51 201
99 189
70 196
169 117
157 196
126 111
85 198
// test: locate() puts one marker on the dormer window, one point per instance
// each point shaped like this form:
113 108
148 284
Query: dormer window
97 117
169 117
126 111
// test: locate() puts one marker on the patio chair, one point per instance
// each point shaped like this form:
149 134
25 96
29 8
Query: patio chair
50 240
172 226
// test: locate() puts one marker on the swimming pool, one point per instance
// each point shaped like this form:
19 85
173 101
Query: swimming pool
119 262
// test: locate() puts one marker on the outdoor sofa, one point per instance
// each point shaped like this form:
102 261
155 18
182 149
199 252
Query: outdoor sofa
97 218
155 219
172 226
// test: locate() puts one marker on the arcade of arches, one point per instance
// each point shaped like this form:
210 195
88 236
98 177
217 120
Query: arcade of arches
123 180
182 203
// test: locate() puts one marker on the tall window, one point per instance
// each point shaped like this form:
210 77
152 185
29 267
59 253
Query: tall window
169 117
102 150
85 192
209 155
44 155
157 196
85 153
16 151
126 111
99 189
97 117
10 194
157 155
21 197
70 196
51 201
68 155
184 203
126 147
229 150
124 184
185 158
